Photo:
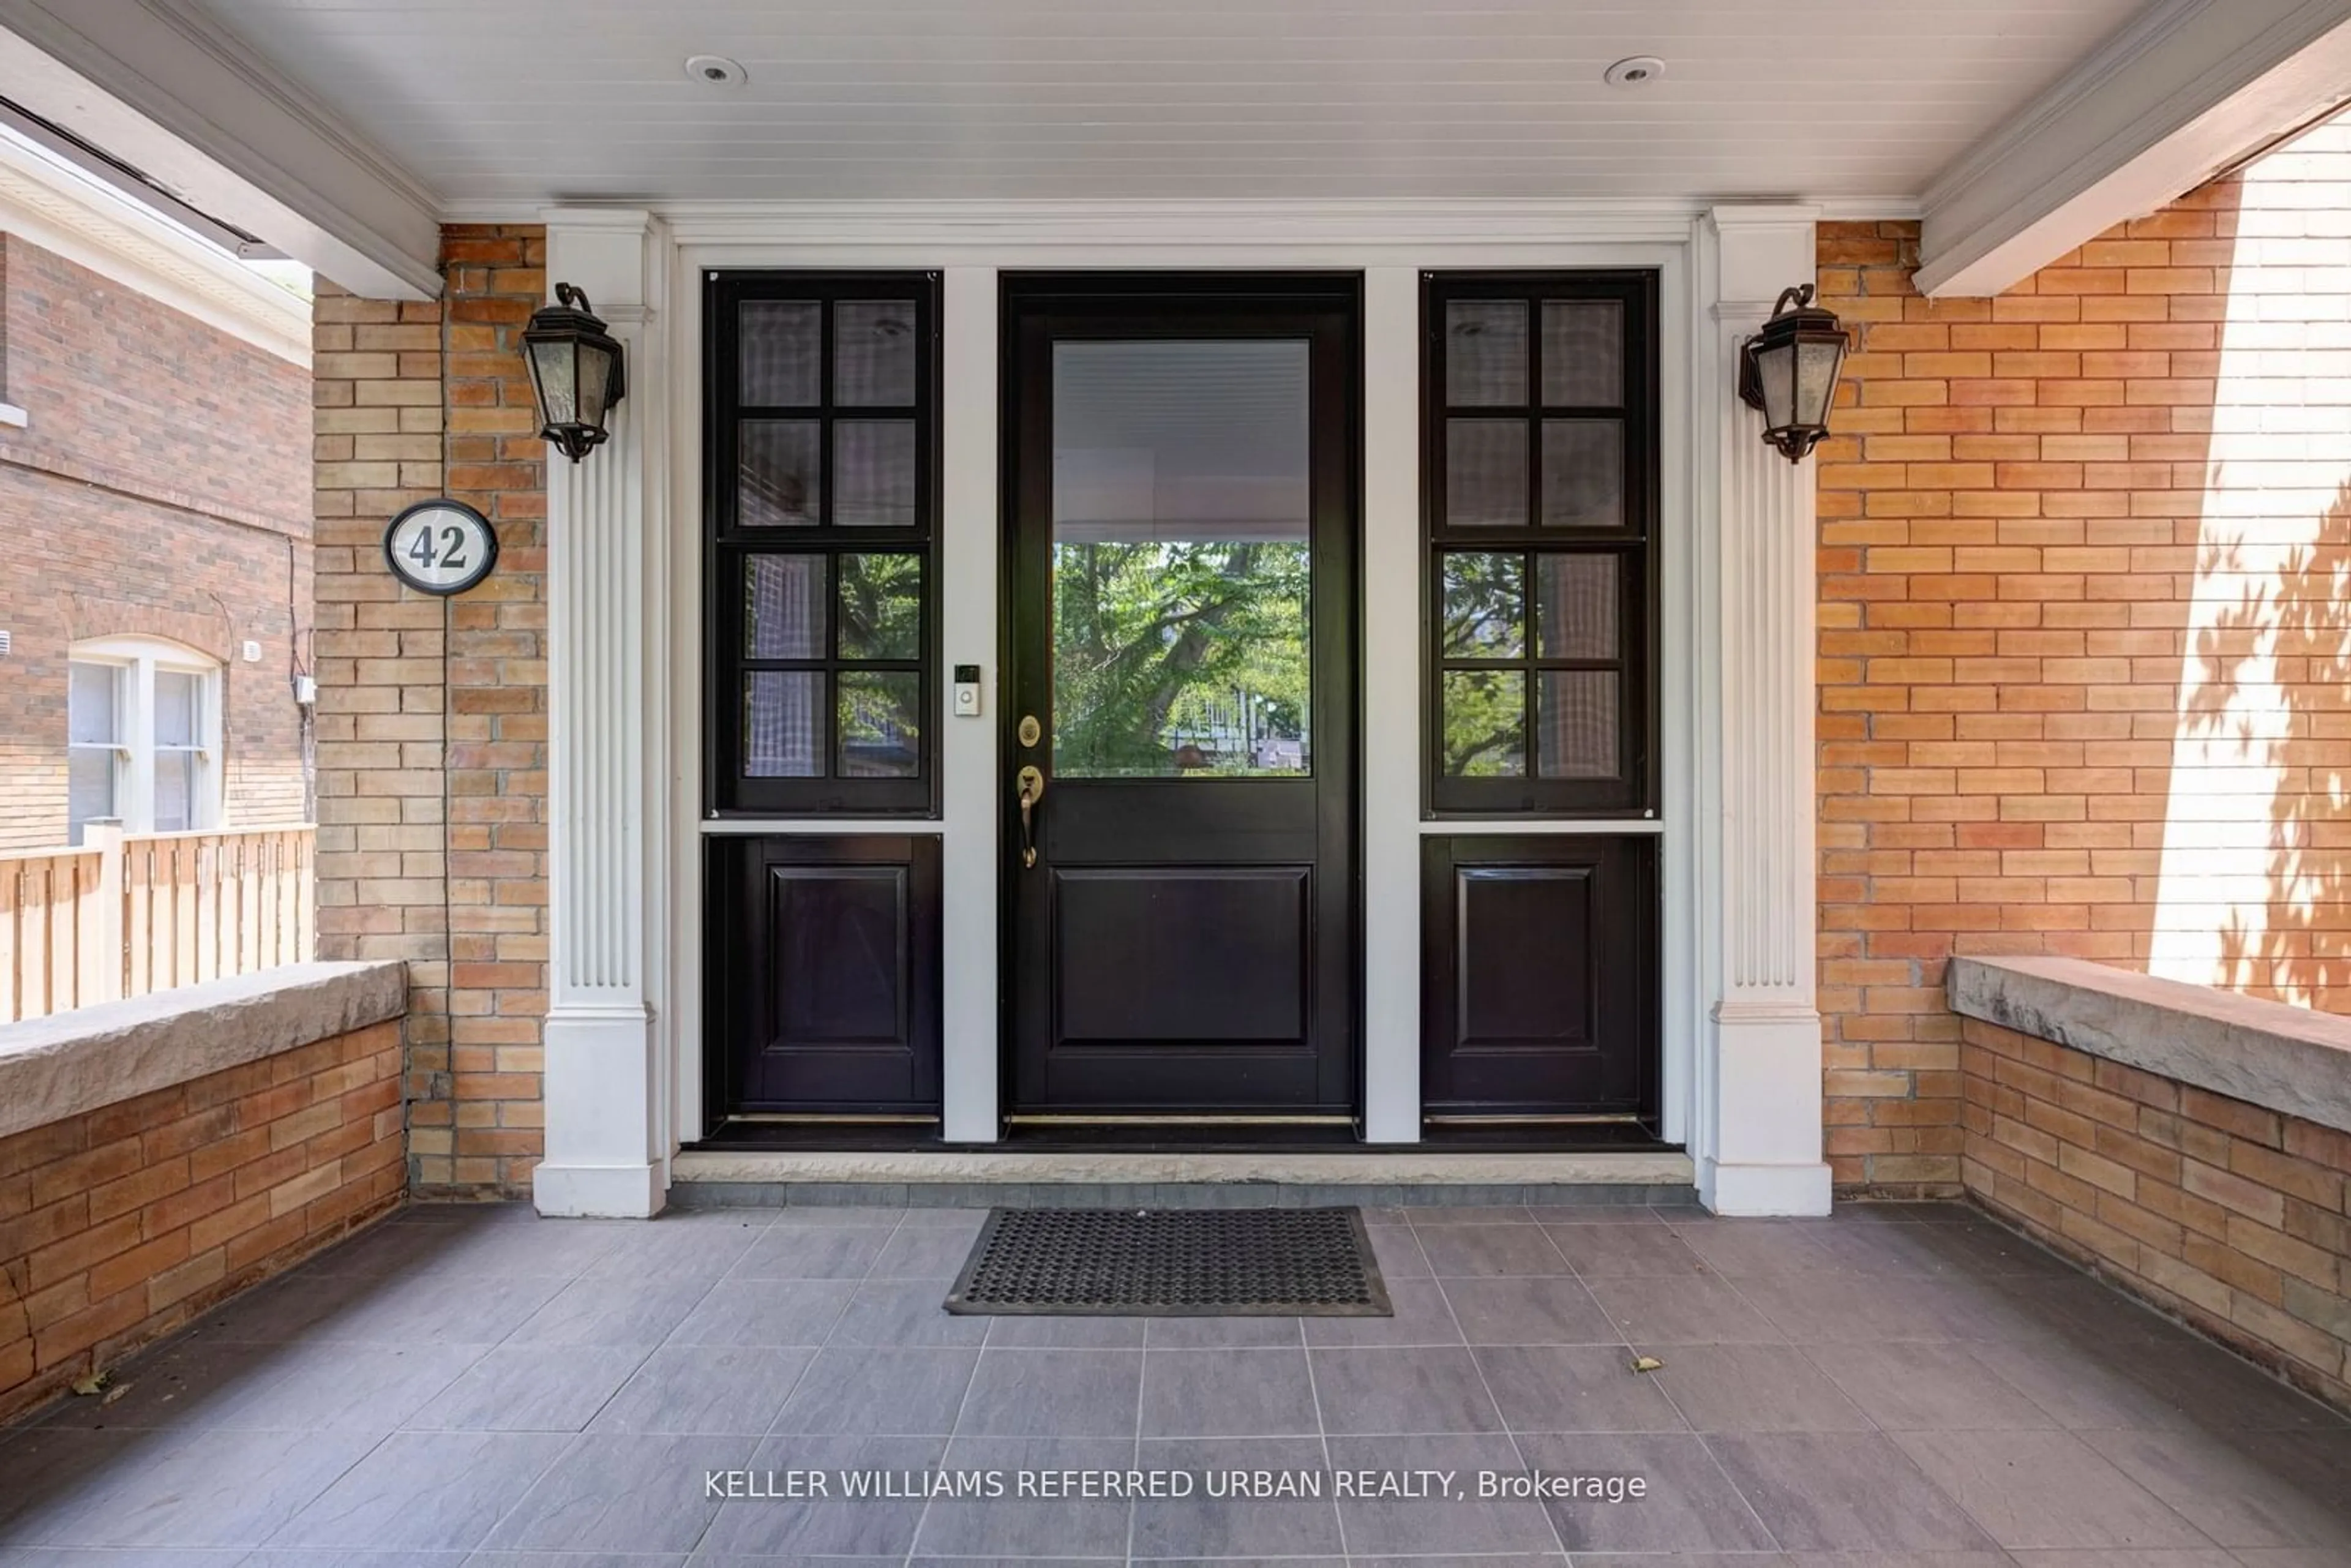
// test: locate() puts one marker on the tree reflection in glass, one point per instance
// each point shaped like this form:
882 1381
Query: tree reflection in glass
1182 572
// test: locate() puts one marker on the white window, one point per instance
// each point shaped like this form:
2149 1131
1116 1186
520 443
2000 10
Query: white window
143 736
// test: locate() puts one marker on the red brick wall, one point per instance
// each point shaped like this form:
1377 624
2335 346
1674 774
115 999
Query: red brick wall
2229 1215
119 1225
2082 659
433 713
158 490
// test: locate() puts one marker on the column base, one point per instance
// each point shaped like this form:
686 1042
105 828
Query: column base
1759 1190
603 1153
1766 1154
599 1192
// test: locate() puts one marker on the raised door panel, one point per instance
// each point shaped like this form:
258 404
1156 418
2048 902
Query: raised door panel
825 975
1541 976
1195 956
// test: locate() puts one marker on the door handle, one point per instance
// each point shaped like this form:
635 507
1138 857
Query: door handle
1032 789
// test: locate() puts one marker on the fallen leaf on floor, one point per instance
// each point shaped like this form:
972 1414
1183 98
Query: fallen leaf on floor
96 1383
115 1392
1648 1364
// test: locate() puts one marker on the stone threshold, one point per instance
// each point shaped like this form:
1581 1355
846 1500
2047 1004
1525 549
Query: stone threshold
973 1178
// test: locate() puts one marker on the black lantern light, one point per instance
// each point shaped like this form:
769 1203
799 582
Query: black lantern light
576 371
1789 370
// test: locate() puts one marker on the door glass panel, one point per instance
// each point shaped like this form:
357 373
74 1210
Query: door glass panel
874 353
1575 725
1485 606
873 473
1485 473
780 484
1486 353
1582 474
1576 606
783 606
782 344
882 606
1485 724
783 723
1181 571
1583 352
881 729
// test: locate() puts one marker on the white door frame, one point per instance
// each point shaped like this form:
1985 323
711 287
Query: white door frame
970 246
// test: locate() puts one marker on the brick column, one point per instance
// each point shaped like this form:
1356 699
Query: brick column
431 712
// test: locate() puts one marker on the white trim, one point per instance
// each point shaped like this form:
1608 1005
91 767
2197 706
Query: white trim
969 548
92 227
661 1025
163 87
2179 91
971 232
1757 1133
13 417
606 1085
1389 703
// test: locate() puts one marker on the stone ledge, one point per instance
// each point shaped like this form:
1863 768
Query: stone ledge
2271 1055
63 1065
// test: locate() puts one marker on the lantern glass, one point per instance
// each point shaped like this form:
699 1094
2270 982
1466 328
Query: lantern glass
1817 359
1775 377
554 366
594 370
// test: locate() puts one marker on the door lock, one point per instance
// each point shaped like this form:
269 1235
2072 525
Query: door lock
1029 732
1031 781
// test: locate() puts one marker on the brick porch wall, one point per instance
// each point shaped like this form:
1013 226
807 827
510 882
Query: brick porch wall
432 712
121 1223
2083 661
2229 1215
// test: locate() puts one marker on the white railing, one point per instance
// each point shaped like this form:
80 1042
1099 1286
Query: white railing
129 913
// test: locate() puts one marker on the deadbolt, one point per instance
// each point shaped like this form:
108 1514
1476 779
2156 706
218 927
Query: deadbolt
1030 732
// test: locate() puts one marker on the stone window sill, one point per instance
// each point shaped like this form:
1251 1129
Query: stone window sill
68 1064
2282 1058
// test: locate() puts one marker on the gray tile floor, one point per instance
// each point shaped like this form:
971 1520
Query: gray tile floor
1897 1386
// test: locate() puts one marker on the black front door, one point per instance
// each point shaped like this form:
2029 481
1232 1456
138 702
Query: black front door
1180 659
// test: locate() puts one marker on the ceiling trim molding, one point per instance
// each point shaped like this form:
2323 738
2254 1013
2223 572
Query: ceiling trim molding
146 254
2174 96
1177 224
162 86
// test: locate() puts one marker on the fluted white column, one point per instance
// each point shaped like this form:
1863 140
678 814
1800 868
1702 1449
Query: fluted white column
1758 1138
607 1146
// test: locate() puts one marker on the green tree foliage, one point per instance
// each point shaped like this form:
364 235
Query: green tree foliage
1149 638
1484 711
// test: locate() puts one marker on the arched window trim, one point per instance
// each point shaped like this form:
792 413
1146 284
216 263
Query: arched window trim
137 758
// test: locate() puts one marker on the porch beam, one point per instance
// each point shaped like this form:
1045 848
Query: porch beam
162 86
2180 92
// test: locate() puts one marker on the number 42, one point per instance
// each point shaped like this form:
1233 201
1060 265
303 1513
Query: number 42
453 548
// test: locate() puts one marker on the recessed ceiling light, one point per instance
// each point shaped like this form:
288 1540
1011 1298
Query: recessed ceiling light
715 70
1640 70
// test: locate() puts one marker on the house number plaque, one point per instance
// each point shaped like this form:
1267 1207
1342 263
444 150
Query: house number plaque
440 546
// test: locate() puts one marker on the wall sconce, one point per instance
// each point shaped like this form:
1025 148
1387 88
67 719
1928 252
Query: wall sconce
576 371
1788 371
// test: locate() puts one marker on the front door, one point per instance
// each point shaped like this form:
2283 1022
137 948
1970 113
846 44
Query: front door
1180 745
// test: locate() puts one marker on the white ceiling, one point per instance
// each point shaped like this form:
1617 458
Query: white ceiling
522 101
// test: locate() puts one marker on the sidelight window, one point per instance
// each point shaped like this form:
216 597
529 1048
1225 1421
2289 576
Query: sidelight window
822 500
1540 462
